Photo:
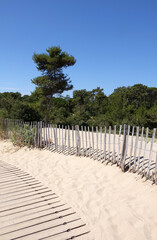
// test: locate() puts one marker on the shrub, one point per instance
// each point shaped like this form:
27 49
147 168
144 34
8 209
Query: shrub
23 135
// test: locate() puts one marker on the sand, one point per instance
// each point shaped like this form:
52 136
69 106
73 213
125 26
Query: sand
114 205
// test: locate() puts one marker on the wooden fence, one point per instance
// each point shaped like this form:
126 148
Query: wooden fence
131 148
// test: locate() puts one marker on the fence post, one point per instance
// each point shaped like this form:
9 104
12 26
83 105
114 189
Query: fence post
140 149
150 154
77 140
135 150
104 145
124 148
114 143
109 142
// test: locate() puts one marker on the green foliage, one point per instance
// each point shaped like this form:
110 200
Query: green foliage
25 112
23 135
136 105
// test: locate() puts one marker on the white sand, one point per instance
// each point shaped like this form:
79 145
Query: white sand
114 205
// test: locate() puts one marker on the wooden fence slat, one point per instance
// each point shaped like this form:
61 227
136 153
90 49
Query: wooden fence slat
62 141
86 140
97 141
119 145
77 140
82 140
114 143
135 150
40 133
68 139
93 141
109 143
150 153
89 139
140 149
131 147
73 139
104 145
144 154
125 132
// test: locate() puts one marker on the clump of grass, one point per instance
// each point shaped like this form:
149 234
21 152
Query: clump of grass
22 135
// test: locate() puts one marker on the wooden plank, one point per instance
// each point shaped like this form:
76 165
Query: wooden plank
135 149
104 145
68 139
73 140
150 153
109 143
119 145
114 143
59 138
41 134
131 147
124 147
145 147
140 149
93 142
65 138
56 138
97 142
62 141
89 140
82 134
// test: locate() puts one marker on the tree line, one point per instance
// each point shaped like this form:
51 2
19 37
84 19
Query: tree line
135 105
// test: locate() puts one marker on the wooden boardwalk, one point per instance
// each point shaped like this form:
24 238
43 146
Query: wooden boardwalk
30 211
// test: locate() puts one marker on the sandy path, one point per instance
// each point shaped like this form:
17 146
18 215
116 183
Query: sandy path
114 205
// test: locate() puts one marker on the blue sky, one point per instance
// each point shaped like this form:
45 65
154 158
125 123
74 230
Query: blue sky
113 41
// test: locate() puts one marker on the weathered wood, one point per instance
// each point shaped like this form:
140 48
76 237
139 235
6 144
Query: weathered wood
68 139
114 143
140 149
109 143
73 139
44 133
82 140
77 140
150 153
49 138
119 145
145 147
62 140
104 145
97 141
59 138
56 139
93 141
131 147
54 135
89 140
125 130
40 134
135 149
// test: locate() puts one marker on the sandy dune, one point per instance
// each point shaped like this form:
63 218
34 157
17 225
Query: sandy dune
114 205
